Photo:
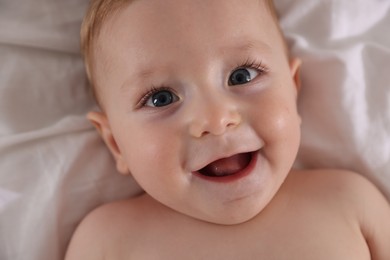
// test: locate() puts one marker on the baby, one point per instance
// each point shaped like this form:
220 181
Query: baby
198 104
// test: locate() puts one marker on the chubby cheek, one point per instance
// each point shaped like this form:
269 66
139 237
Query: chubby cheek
148 149
280 129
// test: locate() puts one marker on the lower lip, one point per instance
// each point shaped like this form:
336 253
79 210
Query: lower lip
234 177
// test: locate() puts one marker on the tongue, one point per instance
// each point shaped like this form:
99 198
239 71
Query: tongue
227 166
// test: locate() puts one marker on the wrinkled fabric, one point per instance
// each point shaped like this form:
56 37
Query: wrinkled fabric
54 168
345 97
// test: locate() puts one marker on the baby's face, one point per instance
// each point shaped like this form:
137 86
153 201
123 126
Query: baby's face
200 100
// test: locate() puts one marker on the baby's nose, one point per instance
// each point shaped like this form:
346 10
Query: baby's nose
214 115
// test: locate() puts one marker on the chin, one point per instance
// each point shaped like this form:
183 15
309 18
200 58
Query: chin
235 220
236 216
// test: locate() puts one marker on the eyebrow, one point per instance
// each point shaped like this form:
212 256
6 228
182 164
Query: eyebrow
141 74
247 46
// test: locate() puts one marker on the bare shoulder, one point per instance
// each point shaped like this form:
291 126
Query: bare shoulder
340 184
94 237
356 196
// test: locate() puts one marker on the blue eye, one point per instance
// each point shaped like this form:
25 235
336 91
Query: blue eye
242 76
161 98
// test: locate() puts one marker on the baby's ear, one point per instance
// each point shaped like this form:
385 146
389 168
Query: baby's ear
295 68
100 121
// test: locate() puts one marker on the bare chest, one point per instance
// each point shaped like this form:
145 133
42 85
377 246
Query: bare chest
289 237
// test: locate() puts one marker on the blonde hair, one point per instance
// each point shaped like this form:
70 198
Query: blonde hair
97 13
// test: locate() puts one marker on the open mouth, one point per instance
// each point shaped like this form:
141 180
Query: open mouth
227 166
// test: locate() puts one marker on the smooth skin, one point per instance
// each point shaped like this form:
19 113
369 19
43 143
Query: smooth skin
172 104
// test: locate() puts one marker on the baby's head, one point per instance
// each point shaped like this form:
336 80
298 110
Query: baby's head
198 100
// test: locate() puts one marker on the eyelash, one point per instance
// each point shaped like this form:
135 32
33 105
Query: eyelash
149 94
252 64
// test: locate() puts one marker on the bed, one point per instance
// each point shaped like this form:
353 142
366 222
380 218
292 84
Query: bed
54 168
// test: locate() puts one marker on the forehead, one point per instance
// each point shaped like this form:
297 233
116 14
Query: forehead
169 29
147 20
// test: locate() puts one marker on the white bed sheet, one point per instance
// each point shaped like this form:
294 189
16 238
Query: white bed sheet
54 168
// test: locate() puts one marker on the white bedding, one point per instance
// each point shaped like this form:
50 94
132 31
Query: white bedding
54 168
